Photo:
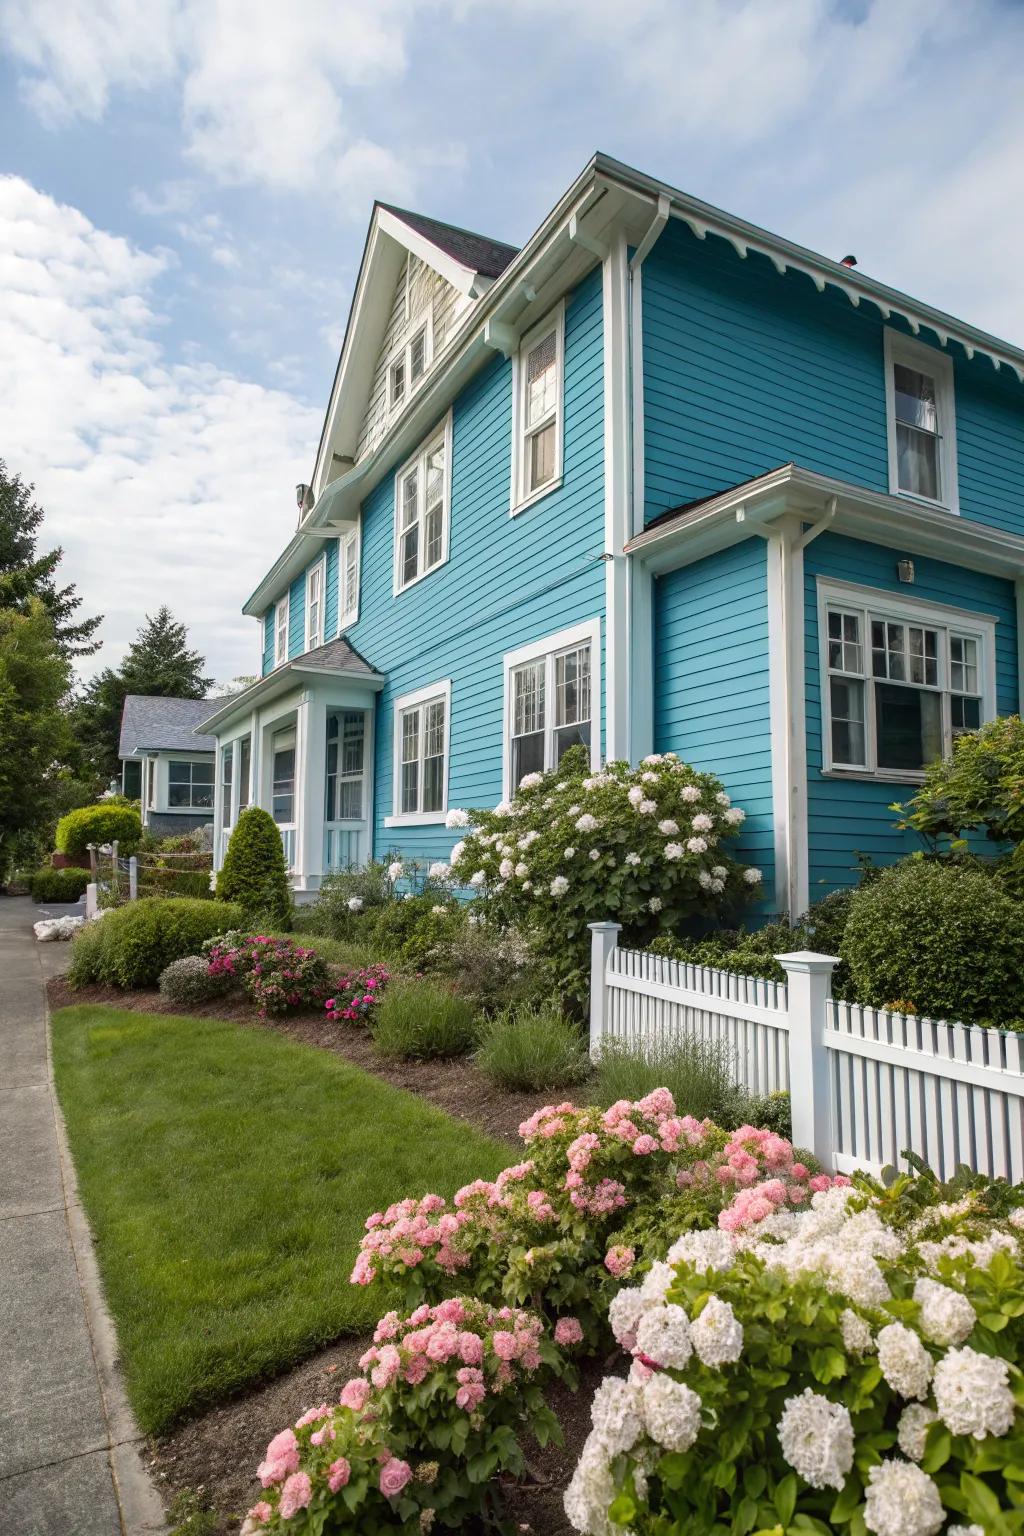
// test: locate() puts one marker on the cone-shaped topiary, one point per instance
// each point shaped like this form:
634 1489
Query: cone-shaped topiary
254 873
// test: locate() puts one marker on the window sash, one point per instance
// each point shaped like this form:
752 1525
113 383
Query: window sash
408 367
314 606
281 632
423 759
539 734
346 763
921 414
244 772
190 785
349 578
539 406
422 513
892 682
227 763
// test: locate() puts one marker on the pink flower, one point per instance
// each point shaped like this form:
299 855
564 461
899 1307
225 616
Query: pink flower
338 1474
260 1512
471 1349
394 1475
644 1145
387 1367
295 1495
504 1345
471 1390
619 1260
354 1394
322 1436
282 1457
568 1331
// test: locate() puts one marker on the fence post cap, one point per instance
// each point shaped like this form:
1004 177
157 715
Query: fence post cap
605 927
807 960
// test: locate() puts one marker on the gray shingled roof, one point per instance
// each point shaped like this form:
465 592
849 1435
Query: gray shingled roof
152 724
335 656
477 252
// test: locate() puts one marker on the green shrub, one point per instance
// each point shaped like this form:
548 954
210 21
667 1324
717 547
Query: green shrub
189 980
942 939
494 968
417 929
106 822
346 901
699 1074
768 1111
527 1050
734 949
132 945
419 1019
980 785
254 874
59 884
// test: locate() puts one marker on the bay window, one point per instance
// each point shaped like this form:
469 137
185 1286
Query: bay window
551 691
422 500
346 755
900 680
921 421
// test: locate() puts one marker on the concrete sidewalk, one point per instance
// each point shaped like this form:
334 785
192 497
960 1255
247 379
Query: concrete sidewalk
69 1446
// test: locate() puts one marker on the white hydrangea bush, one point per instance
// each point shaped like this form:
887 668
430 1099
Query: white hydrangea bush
642 846
846 1367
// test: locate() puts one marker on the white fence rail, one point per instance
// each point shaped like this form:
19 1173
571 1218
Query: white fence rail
865 1085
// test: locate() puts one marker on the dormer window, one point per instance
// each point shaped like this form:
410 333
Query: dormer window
408 366
922 422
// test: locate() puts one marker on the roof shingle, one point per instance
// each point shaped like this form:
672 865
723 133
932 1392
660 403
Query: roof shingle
477 252
157 724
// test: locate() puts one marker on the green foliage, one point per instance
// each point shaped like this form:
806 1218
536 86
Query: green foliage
347 900
106 822
132 945
748 954
699 1074
34 735
27 578
419 1019
189 980
944 940
643 845
254 874
191 1515
981 784
419 930
494 968
529 1049
278 974
55 885
769 1111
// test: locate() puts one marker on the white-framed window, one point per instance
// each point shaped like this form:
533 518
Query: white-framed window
190 785
348 578
537 399
422 735
921 413
422 509
282 781
227 764
900 680
281 612
346 765
316 580
552 702
244 772
408 366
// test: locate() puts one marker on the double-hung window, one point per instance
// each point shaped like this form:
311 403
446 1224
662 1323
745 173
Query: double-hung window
409 365
315 604
921 420
348 578
282 784
901 680
190 785
422 726
422 510
346 755
538 387
551 692
281 631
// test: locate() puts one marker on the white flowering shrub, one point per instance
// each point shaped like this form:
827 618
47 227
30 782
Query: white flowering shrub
851 1366
643 846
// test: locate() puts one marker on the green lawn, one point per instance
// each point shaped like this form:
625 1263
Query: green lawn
227 1173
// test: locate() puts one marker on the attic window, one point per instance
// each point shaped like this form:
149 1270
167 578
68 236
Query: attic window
408 366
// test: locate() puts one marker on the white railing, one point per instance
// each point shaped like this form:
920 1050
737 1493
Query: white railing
865 1085
288 842
343 845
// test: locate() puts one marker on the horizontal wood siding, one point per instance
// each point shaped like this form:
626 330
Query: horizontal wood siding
268 641
297 617
711 683
745 370
847 816
508 581
331 590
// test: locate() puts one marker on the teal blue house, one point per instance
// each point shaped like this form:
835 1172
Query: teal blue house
659 480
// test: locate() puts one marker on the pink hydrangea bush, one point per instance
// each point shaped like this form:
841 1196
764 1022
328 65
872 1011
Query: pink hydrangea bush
415 1439
355 994
278 974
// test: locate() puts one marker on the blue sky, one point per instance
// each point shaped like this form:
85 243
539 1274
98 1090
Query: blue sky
185 187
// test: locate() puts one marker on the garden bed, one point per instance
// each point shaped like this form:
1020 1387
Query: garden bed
458 1087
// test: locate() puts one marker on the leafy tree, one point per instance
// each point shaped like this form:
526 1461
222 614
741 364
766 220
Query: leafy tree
25 574
980 785
158 664
34 733
254 874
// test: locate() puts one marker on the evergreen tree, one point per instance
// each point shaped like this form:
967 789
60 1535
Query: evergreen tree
34 733
25 574
158 664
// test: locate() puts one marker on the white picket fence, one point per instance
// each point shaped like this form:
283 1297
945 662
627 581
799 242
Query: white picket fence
865 1085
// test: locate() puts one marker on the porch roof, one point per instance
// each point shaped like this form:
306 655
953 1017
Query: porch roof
698 528
335 659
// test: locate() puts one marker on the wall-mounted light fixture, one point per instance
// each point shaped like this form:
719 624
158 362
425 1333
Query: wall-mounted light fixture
905 571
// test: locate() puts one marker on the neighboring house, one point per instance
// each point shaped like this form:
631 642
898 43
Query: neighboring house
166 763
658 481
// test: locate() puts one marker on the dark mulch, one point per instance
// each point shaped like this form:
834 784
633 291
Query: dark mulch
216 1456
455 1086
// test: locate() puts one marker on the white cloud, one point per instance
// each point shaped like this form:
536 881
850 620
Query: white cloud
164 482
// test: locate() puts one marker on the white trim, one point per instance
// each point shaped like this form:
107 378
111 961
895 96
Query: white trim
939 366
418 461
428 694
786 712
423 322
548 647
178 759
318 568
283 603
876 602
354 539
554 321
461 277
617 519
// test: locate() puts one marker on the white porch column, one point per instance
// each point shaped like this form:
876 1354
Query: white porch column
310 760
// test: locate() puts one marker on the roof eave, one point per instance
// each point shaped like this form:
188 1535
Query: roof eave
274 682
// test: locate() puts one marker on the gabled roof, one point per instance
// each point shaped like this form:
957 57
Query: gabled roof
477 252
335 659
164 725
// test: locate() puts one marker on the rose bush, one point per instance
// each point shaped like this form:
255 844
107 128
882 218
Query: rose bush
278 974
354 994
818 1369
416 1440
644 846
